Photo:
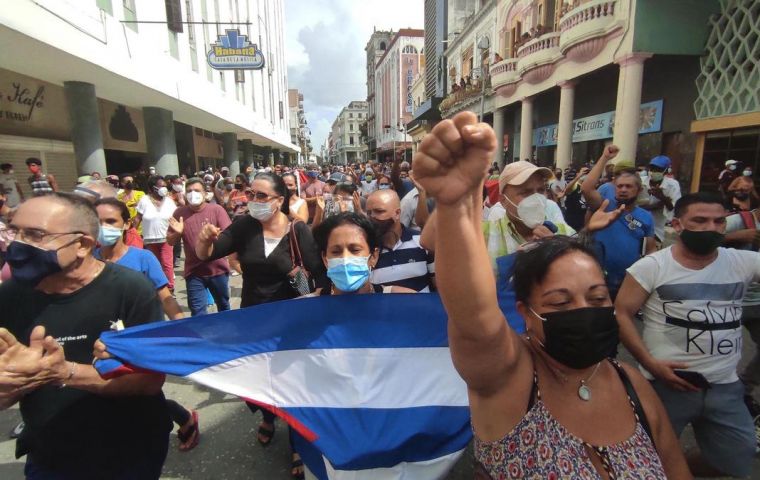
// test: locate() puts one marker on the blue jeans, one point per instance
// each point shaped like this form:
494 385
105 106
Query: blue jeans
197 300
722 424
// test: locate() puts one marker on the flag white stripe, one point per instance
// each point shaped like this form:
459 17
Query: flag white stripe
434 469
394 273
342 378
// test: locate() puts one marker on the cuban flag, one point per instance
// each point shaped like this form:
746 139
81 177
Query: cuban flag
367 381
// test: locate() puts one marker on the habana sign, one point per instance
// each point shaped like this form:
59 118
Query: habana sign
233 51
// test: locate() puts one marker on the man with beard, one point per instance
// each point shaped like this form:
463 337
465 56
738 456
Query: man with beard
691 297
403 262
632 233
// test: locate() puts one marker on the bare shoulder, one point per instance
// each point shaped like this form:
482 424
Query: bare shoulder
395 289
649 399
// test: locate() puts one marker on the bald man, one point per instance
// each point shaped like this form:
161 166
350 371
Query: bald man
402 261
58 302
93 190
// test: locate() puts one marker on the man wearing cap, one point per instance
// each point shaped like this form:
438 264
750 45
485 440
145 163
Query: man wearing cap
727 176
9 186
624 241
662 192
523 213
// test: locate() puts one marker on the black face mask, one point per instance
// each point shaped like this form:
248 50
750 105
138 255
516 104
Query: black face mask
741 196
128 185
582 337
702 243
238 186
383 226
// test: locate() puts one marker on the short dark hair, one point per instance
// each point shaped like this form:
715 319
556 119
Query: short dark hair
349 188
121 177
279 186
324 229
683 203
113 202
532 264
33 160
153 181
193 181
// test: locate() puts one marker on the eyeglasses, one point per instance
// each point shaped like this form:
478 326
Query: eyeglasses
258 195
33 235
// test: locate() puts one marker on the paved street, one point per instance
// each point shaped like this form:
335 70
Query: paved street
228 449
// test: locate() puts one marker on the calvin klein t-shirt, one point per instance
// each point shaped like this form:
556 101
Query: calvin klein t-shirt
694 316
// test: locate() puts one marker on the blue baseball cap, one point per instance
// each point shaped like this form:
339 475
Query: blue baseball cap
660 161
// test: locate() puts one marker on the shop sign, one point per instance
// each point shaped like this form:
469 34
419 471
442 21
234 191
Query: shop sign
21 100
598 127
233 51
32 108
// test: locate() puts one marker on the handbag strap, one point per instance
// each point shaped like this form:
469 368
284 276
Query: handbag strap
295 250
633 396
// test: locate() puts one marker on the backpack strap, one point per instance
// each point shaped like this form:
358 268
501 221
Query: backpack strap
638 409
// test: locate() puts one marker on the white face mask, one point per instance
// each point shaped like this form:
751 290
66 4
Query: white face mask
177 187
732 167
531 211
261 211
162 192
194 198
747 173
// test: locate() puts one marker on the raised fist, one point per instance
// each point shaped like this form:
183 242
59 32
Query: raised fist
453 159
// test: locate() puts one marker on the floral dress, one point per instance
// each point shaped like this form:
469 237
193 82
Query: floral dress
540 447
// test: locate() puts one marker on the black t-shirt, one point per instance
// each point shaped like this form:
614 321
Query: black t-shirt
265 279
67 428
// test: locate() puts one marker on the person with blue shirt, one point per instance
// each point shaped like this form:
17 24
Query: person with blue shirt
114 222
624 241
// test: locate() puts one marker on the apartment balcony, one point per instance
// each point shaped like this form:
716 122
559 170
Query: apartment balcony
586 29
463 98
504 76
536 59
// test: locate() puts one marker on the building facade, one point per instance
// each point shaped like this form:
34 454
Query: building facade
300 134
346 134
375 49
394 75
727 109
578 75
111 94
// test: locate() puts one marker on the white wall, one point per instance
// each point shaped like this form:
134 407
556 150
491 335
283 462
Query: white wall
60 40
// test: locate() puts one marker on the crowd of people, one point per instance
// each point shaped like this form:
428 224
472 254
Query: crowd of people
589 260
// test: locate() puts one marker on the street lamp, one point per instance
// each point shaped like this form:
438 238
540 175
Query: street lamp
483 44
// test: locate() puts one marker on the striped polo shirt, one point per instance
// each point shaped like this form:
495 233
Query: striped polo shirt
406 265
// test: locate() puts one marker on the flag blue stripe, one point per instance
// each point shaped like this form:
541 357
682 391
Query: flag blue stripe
186 346
358 439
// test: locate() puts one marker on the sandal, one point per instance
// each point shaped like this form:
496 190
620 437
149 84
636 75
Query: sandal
296 468
267 433
189 439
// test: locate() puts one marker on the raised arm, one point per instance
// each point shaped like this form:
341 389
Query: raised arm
588 187
451 166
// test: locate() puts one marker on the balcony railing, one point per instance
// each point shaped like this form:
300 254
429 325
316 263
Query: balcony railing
546 41
586 12
587 25
504 72
464 96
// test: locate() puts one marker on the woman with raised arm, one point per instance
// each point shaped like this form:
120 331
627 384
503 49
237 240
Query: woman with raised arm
552 403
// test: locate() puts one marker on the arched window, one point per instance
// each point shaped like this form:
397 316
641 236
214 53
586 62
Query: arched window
382 45
409 49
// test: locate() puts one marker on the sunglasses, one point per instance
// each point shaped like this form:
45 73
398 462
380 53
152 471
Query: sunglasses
257 195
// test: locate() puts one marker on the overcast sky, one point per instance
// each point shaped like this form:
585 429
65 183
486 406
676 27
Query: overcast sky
325 42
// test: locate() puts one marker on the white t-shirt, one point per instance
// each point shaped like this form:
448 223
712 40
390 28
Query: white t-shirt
155 221
672 189
368 187
694 316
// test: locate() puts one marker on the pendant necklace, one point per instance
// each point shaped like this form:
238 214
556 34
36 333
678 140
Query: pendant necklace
584 392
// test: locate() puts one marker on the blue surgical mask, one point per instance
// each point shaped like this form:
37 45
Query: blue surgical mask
108 235
348 274
30 264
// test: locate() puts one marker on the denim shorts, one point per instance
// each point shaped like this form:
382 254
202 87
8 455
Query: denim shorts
723 427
